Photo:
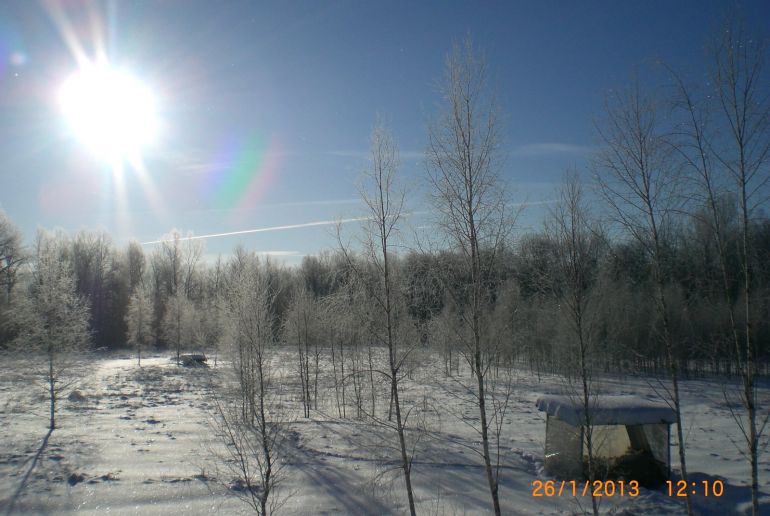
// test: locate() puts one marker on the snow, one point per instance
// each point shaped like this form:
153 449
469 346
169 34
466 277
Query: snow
140 443
607 410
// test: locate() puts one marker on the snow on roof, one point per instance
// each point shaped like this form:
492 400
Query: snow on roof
606 410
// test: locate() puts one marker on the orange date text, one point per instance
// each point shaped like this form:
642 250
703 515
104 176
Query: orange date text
597 488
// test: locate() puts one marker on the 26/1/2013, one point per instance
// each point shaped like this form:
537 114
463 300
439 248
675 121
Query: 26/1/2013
605 488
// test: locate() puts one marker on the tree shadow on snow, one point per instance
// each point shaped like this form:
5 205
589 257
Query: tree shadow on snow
24 481
735 499
345 483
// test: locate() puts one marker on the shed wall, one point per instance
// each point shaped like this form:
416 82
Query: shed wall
566 455
563 449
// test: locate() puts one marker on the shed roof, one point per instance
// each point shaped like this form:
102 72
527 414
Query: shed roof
607 410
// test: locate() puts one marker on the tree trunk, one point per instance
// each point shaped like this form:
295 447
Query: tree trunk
52 390
406 463
491 480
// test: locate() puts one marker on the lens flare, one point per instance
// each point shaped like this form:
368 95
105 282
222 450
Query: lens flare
241 174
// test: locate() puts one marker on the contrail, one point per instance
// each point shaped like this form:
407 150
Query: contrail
262 230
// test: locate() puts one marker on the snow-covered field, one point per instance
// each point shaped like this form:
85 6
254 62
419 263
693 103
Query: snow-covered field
139 441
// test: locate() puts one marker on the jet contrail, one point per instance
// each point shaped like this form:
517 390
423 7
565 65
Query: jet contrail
262 230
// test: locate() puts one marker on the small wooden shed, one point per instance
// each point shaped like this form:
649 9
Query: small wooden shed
630 437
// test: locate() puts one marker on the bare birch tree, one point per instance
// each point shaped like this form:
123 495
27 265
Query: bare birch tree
178 322
384 199
247 418
12 255
338 326
724 142
139 321
576 255
379 309
300 329
745 107
54 319
462 160
638 181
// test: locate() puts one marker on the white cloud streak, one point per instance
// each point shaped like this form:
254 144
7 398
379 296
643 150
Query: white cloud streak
536 203
365 154
525 150
264 230
348 154
550 148
280 253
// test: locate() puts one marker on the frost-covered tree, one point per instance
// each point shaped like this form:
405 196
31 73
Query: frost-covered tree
638 180
247 419
741 85
135 263
178 322
92 257
301 330
53 318
12 255
723 141
375 275
139 321
174 271
339 329
576 250
463 160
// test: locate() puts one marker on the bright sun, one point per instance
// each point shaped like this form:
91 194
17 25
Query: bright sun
111 112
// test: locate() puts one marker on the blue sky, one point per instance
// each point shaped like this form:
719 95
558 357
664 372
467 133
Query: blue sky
266 107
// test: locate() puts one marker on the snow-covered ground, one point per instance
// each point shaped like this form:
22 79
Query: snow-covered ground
139 442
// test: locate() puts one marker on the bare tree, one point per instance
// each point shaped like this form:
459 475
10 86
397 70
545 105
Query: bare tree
384 199
12 257
745 107
54 319
638 182
169 254
300 327
373 292
136 264
576 255
12 254
462 160
178 323
138 321
91 257
246 420
192 250
724 141
252 454
338 327
174 272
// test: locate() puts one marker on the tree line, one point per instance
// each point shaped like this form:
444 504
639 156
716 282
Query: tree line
182 301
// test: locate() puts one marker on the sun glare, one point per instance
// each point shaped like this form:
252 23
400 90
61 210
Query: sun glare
111 112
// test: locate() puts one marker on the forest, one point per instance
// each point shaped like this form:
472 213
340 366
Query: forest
525 289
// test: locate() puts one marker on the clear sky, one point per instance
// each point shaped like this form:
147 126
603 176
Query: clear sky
265 108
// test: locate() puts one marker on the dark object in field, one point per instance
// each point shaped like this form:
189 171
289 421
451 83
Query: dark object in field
76 478
193 360
641 466
76 396
638 465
